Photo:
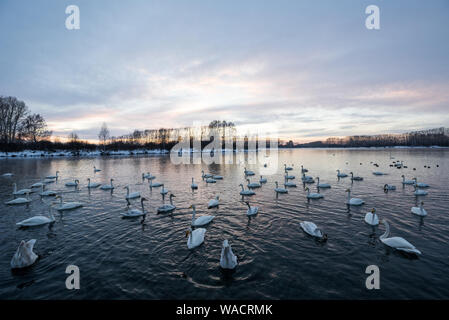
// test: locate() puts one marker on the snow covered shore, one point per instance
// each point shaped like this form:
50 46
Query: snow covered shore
65 153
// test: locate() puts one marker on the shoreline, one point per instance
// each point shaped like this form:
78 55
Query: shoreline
74 154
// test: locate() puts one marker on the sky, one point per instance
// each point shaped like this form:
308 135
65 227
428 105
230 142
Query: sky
310 69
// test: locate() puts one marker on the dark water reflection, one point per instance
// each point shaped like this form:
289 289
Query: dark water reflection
128 260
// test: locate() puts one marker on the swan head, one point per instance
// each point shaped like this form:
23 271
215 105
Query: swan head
348 190
373 210
88 179
225 243
188 232
192 207
112 180
240 185
143 199
172 195
307 189
217 197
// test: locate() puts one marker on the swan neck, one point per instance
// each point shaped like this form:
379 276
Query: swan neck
387 230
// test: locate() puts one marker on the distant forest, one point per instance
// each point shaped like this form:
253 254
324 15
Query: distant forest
424 138
22 130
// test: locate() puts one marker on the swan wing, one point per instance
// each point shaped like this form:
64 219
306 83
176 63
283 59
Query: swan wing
203 220
400 244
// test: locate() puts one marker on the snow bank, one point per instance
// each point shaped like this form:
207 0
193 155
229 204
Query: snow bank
65 153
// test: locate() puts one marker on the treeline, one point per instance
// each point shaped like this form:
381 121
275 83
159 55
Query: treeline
18 125
426 138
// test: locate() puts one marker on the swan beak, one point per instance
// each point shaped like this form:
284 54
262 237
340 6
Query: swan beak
190 207
187 233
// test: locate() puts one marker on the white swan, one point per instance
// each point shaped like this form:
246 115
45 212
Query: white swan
20 200
37 220
96 170
311 229
67 205
228 260
108 186
322 185
341 175
287 168
166 208
248 172
195 237
48 193
251 210
378 173
419 192
131 195
356 178
213 202
313 195
193 185
253 185
205 175
303 170
74 183
288 177
420 184
132 213
388 187
279 190
201 221
37 185
262 180
353 201
420 211
24 256
53 177
372 218
307 179
163 190
92 185
155 184
211 180
148 176
407 181
397 243
288 183
21 191
217 177
246 192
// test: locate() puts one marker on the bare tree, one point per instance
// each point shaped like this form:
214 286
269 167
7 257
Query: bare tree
73 137
12 112
103 136
34 127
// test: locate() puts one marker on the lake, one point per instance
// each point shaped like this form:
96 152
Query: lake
125 259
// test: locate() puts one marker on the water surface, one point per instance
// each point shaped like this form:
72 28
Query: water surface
123 259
